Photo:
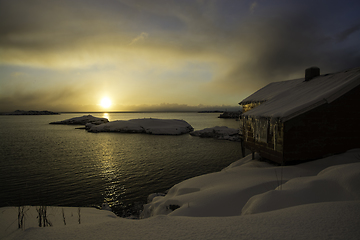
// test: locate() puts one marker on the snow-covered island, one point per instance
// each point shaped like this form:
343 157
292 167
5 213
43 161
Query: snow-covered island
82 120
249 199
221 133
145 125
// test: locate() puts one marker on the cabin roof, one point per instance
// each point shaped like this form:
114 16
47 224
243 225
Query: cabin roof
271 90
288 99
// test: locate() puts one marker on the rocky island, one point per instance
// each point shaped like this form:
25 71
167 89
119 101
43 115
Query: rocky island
82 120
221 133
31 112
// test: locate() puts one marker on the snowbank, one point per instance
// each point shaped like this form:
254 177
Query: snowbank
222 133
249 199
330 220
82 120
248 186
62 219
145 125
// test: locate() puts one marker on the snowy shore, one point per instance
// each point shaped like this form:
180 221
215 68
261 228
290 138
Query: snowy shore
249 199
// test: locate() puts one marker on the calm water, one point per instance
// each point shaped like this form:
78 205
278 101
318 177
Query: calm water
43 164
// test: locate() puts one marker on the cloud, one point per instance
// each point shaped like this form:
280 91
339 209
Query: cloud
279 46
174 107
253 6
241 51
63 34
66 98
141 37
17 74
347 32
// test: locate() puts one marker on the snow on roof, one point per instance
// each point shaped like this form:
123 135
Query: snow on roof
271 90
288 99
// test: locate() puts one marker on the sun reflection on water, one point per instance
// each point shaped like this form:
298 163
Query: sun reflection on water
110 175
106 115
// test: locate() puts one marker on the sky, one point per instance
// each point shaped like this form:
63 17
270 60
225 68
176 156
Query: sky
165 55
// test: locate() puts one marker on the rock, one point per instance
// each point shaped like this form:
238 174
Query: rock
230 115
221 133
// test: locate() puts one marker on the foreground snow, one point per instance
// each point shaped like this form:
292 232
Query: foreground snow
249 199
145 125
82 120
250 186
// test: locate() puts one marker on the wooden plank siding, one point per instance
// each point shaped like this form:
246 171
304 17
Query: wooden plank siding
328 129
272 148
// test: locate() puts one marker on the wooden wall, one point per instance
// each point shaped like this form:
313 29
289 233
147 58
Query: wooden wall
272 147
328 129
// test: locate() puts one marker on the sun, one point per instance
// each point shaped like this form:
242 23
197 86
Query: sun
105 102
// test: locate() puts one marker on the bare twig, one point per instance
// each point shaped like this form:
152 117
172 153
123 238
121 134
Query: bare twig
21 217
63 215
79 215
42 217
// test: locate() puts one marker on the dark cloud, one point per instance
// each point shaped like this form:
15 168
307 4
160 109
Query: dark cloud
280 45
346 33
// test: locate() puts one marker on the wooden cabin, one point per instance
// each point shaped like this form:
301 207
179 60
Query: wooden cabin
304 119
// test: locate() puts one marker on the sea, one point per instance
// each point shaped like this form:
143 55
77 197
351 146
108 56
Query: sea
59 165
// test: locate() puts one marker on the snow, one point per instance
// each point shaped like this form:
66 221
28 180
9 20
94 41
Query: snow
213 194
249 199
271 90
334 184
82 120
288 99
145 125
221 133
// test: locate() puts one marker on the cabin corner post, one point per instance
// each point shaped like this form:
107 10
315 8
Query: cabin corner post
242 147
283 160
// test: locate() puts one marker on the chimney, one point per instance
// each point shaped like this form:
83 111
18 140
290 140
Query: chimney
311 72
